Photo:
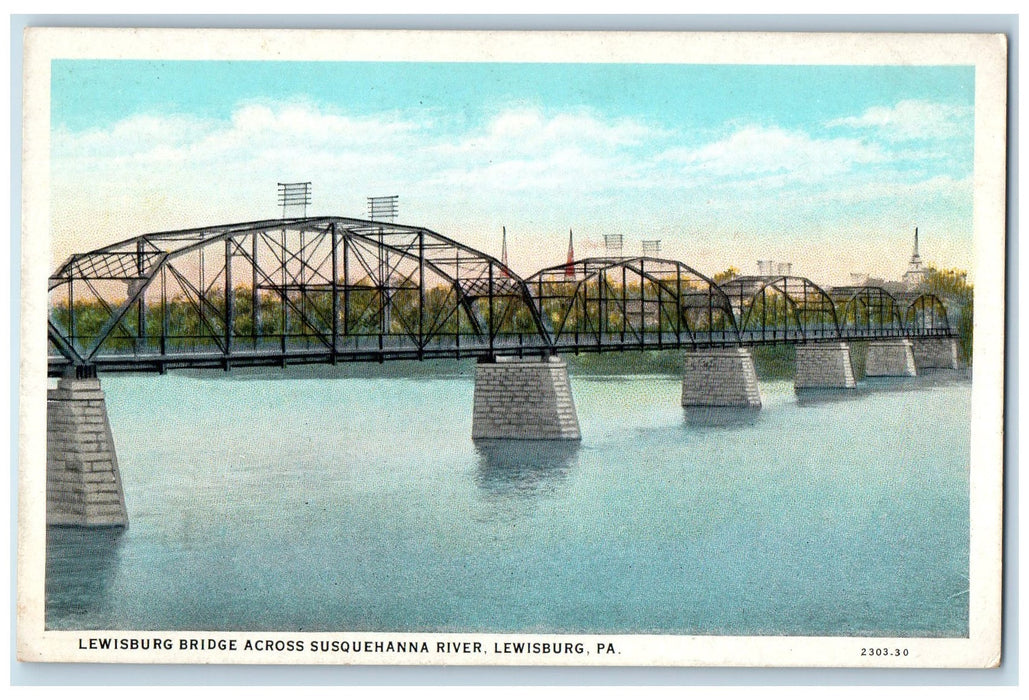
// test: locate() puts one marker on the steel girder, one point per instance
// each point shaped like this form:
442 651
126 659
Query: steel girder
641 301
784 308
305 289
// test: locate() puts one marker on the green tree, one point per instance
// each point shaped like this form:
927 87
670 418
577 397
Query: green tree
730 273
952 287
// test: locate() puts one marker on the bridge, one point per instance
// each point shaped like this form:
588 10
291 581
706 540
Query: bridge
336 289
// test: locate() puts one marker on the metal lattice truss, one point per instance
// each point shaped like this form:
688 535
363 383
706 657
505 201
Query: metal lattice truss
782 308
334 289
632 301
868 311
312 289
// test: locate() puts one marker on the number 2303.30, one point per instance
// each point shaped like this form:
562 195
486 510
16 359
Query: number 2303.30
883 651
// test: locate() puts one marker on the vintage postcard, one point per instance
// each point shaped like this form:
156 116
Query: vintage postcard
512 348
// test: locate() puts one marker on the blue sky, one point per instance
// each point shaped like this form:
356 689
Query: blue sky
830 167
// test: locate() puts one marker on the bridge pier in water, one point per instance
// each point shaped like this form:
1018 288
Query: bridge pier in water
890 358
824 366
524 399
935 353
720 377
83 484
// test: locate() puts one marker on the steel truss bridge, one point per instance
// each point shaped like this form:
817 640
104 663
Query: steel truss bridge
335 289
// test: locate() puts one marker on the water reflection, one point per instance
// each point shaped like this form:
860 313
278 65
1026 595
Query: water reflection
523 468
80 565
926 379
818 397
720 417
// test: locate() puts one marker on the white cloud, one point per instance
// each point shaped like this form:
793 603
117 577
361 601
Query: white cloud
296 130
912 120
536 171
754 152
527 129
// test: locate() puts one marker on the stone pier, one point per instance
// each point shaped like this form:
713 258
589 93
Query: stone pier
83 486
824 366
890 358
935 353
524 400
720 377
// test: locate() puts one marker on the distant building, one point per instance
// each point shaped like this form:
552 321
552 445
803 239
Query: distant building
916 272
770 268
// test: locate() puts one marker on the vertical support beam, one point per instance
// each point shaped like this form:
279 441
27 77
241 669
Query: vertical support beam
625 302
678 305
202 291
255 300
489 323
283 313
720 377
346 285
83 485
643 308
71 309
711 315
335 290
230 301
421 292
164 311
141 302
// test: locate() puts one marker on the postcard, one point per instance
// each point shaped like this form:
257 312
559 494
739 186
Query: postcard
512 348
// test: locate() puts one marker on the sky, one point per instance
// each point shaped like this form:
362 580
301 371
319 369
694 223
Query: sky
828 167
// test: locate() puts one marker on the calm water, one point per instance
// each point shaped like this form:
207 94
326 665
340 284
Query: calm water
363 504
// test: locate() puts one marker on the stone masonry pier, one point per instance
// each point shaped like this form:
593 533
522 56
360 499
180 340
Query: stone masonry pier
890 358
524 400
83 485
824 366
720 377
935 353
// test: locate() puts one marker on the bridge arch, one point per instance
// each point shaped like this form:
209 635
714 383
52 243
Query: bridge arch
782 308
622 301
868 311
301 290
927 315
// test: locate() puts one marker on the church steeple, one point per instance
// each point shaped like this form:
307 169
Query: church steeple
916 273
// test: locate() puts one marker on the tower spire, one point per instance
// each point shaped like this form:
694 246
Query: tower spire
503 253
570 264
916 273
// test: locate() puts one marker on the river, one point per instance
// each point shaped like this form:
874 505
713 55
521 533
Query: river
313 502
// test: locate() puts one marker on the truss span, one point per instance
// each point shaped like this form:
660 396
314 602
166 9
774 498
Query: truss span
868 311
286 290
329 289
926 315
778 309
625 302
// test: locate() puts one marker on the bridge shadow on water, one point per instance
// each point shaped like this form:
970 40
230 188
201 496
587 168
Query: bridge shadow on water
718 417
81 564
926 379
523 468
